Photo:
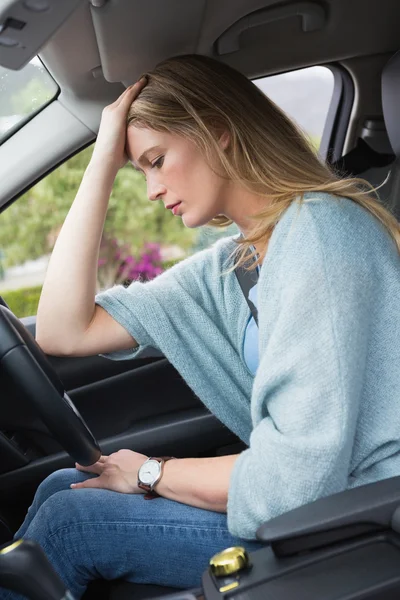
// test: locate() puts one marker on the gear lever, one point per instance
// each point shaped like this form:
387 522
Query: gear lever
24 569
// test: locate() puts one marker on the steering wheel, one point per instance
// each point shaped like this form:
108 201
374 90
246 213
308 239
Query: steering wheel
35 379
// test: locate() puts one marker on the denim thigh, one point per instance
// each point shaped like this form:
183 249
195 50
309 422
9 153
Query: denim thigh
89 534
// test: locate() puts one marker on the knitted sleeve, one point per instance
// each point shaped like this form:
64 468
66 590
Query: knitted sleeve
147 310
195 316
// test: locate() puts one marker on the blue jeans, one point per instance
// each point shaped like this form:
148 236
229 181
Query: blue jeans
92 534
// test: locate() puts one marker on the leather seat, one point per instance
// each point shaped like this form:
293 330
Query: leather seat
389 193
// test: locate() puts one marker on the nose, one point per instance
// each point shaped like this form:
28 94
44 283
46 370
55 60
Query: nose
155 191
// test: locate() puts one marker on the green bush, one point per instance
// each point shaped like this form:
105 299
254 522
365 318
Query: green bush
170 263
23 302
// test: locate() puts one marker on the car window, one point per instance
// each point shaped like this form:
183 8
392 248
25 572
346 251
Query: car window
22 94
305 96
141 238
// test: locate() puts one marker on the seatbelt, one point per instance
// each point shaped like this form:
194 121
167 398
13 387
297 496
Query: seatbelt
360 159
247 280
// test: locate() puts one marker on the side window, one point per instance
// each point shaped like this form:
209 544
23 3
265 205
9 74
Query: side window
141 238
305 96
23 94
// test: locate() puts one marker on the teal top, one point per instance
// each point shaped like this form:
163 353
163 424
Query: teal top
322 412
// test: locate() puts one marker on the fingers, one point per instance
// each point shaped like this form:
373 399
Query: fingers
103 458
97 468
131 92
96 482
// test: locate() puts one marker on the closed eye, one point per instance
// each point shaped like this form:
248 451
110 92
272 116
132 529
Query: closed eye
158 163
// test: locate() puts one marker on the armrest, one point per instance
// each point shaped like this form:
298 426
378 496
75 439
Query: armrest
362 510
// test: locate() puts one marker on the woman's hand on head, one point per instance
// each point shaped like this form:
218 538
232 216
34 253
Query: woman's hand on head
117 472
109 150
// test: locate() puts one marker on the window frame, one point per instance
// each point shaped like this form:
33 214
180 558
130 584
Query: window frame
339 111
338 116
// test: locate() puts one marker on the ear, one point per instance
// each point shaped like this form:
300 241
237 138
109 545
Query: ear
224 139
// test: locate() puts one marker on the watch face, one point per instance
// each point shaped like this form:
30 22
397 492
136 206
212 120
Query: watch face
149 471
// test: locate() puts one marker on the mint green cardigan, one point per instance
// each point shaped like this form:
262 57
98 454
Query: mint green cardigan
322 413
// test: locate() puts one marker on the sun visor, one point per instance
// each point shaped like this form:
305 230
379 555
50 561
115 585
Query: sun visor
26 25
134 36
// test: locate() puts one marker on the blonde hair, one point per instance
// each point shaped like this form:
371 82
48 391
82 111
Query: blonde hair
197 97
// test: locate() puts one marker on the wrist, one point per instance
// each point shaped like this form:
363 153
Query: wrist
102 166
161 487
151 473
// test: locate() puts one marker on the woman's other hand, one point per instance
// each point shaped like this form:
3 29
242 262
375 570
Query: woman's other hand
117 472
109 150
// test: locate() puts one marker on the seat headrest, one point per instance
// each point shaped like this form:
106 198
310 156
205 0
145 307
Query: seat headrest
391 101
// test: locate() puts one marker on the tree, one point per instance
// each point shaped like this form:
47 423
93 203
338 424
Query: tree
29 227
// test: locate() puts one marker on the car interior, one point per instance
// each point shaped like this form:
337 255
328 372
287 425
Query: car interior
97 48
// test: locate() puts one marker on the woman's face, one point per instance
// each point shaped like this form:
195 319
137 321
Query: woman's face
176 172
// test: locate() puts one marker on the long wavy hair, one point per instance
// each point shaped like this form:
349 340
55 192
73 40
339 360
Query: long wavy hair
198 97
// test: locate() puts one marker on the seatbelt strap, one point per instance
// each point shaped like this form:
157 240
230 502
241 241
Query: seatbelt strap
360 159
247 280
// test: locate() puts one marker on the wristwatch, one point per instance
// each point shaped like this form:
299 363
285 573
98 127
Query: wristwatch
150 474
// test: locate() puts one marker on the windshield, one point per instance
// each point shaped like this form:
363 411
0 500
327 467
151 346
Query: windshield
23 93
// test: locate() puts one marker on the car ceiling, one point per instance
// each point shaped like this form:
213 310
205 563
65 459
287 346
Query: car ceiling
101 46
122 39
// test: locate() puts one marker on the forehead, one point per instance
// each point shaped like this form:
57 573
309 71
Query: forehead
139 139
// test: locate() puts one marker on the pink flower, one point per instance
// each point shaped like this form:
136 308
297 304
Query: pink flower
118 263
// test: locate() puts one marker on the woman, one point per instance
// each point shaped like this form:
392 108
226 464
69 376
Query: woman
313 391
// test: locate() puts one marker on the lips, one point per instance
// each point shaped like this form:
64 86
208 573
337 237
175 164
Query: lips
172 205
175 208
